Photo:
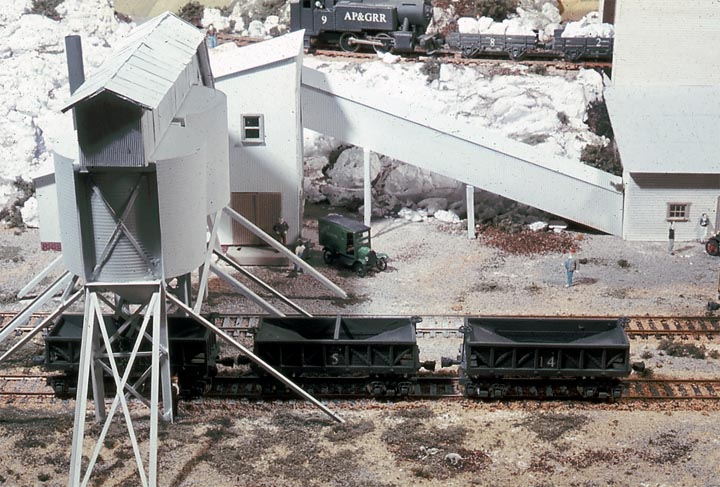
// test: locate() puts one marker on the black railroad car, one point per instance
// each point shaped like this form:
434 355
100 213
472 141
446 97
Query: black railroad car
383 350
592 353
583 48
385 25
193 351
473 45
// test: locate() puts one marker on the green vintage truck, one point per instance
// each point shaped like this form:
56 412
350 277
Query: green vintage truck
347 241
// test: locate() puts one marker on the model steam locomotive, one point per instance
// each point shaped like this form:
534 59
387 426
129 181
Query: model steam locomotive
385 25
400 26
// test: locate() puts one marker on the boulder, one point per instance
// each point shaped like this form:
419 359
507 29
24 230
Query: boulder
447 216
433 204
348 169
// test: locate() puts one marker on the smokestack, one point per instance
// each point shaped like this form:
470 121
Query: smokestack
76 70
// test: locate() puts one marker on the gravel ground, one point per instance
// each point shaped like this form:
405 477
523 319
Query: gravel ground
434 270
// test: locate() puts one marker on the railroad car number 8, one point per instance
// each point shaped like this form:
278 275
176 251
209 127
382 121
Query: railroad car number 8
323 19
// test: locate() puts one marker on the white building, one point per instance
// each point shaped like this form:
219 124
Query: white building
262 84
664 104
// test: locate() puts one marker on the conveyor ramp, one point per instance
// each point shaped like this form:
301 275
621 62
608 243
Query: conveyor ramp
476 156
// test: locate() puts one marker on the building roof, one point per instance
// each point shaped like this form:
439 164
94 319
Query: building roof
666 129
226 61
146 65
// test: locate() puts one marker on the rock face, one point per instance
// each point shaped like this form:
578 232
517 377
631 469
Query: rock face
394 184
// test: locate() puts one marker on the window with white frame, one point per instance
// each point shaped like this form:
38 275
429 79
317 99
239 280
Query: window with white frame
678 212
253 129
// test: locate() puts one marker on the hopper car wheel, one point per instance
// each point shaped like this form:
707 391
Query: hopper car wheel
517 54
712 247
328 256
359 269
387 44
381 264
347 42
573 56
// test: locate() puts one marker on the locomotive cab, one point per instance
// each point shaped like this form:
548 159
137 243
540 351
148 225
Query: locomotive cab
384 25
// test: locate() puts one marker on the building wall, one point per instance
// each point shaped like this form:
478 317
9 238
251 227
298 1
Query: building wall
46 194
274 166
647 196
666 42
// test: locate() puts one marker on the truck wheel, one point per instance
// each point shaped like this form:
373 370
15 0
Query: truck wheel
359 269
381 264
712 247
328 256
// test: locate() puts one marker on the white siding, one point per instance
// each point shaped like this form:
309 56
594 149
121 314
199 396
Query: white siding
275 165
647 196
667 42
46 195
182 173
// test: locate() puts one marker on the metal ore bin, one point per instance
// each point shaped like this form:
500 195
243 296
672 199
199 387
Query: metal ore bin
544 347
339 345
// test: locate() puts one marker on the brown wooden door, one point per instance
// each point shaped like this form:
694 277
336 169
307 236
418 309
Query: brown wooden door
263 209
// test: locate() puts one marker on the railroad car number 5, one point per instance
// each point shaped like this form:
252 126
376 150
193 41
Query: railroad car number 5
323 19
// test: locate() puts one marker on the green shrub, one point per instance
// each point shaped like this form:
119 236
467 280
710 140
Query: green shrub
499 10
46 8
193 13
603 157
674 349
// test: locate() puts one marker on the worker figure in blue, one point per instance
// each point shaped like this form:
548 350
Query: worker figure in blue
212 36
570 267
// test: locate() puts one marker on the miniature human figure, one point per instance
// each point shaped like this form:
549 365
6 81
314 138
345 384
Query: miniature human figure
281 229
570 267
299 251
212 36
671 238
705 225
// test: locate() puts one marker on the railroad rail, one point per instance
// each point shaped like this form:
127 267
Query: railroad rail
450 57
425 387
672 389
682 328
435 387
673 327
14 386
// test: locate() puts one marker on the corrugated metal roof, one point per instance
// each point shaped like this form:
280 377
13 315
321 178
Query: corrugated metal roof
226 61
666 129
146 64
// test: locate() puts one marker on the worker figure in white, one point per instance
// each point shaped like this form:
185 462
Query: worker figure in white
299 251
706 227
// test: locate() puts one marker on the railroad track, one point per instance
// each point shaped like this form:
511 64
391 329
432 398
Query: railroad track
449 57
425 387
682 328
678 327
672 389
18 386
436 387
